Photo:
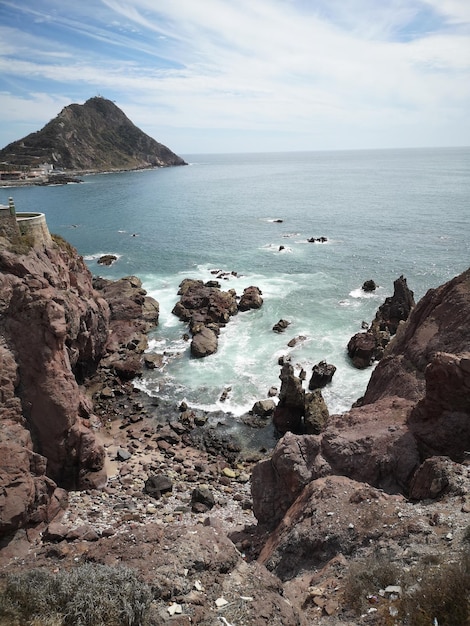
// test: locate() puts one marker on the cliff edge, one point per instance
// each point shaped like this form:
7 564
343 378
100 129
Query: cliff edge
55 329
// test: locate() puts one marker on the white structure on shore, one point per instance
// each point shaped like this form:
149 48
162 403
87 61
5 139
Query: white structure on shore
13 224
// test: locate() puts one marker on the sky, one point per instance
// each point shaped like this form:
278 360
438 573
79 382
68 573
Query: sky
222 76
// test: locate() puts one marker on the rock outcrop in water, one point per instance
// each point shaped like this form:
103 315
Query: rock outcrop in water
365 348
207 308
94 136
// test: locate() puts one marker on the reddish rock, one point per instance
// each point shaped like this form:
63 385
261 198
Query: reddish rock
370 444
333 515
251 299
204 343
56 325
438 476
438 323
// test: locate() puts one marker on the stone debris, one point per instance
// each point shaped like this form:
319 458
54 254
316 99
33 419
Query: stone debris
175 609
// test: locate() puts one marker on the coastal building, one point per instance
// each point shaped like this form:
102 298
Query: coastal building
13 225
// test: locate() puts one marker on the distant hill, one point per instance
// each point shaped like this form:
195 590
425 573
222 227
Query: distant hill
94 136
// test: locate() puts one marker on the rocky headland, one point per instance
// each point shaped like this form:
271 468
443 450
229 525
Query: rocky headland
92 137
351 519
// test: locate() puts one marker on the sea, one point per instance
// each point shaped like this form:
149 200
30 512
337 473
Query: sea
384 213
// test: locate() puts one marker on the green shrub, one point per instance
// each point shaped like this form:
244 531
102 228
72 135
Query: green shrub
88 595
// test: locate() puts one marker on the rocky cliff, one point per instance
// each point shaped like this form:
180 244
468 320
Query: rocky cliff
95 136
55 329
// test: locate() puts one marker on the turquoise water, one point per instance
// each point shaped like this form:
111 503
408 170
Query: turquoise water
384 213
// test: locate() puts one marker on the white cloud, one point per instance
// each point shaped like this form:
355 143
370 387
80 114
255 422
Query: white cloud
355 67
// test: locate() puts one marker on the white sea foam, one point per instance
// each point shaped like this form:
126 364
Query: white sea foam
378 294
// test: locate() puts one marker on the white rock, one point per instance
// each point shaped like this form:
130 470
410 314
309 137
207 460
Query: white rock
174 608
220 602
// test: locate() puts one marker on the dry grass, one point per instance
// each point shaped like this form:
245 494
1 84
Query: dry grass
433 591
88 595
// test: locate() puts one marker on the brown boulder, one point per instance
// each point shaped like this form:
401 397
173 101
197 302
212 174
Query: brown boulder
251 299
439 476
362 349
204 343
315 413
276 482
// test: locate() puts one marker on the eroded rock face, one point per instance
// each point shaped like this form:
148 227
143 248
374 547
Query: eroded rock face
369 444
56 327
440 422
314 530
438 323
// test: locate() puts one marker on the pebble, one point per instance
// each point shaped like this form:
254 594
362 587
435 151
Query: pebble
229 472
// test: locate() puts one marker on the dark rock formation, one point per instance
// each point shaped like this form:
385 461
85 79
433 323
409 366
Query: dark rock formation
395 309
107 259
322 374
365 348
362 349
280 326
290 410
297 411
369 285
95 136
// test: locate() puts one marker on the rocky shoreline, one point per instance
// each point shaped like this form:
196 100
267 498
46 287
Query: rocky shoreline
341 524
